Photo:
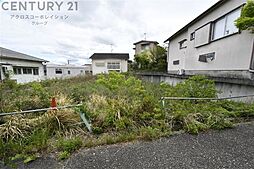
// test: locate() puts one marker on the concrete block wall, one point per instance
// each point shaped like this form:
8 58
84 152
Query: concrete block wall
225 87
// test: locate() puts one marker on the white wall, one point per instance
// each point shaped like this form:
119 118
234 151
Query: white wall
98 70
231 53
25 78
74 71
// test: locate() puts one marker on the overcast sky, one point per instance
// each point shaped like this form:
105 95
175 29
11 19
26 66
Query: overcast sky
95 26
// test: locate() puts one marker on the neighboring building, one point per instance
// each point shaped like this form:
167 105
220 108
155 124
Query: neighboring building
105 62
66 71
211 44
144 45
23 68
88 68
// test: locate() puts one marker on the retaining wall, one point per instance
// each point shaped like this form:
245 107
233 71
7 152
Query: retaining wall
226 87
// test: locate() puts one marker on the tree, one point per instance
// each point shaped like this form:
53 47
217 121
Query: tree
154 59
143 60
246 21
159 59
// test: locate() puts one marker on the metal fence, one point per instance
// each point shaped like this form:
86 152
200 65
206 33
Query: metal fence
163 99
82 114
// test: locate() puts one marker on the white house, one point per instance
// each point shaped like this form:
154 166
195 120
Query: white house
211 44
105 62
22 68
66 71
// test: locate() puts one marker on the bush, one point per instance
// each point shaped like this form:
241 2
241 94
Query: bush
119 106
195 86
196 115
126 106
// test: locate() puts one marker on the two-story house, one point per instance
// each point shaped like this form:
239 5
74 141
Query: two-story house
143 45
211 44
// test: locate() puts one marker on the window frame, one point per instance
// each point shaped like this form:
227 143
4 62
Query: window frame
36 71
192 36
181 44
220 18
99 64
145 47
176 62
17 70
114 64
58 70
27 70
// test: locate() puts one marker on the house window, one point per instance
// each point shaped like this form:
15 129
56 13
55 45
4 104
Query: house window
59 71
183 44
27 71
36 71
145 47
206 57
81 71
17 71
192 36
5 70
176 62
226 25
69 72
99 64
113 65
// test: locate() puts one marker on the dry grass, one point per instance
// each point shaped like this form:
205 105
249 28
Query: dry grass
63 100
14 127
66 122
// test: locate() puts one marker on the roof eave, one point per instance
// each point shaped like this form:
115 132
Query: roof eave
145 41
219 3
6 57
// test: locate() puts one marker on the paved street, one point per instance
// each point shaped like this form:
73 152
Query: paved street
232 149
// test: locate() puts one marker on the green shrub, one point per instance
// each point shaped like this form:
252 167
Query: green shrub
195 86
37 141
120 107
125 106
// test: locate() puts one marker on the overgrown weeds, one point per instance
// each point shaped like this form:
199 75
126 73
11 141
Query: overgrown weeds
68 146
120 107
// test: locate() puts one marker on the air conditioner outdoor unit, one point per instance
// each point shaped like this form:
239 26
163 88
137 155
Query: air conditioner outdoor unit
181 72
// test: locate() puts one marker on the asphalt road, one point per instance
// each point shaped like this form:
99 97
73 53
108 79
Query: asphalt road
232 149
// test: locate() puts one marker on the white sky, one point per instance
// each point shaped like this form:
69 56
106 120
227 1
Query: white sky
96 25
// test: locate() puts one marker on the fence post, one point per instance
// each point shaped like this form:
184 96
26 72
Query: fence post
53 104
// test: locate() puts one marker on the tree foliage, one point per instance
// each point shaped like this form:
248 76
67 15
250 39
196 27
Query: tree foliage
246 21
154 59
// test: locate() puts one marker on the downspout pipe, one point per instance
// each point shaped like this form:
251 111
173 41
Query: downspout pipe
252 59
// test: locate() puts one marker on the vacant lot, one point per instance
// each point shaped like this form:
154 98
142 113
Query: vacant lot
120 107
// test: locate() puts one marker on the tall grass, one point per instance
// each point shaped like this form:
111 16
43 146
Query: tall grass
119 106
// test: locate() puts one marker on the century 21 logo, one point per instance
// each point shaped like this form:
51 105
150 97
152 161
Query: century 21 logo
39 5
